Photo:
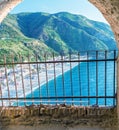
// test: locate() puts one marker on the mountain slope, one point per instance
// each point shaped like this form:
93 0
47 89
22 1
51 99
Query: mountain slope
70 31
36 32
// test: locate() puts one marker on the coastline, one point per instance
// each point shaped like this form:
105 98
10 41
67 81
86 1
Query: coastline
51 76
18 91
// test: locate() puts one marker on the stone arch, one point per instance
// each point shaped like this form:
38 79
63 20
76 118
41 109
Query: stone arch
109 9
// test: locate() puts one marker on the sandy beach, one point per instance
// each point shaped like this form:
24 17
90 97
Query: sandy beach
22 84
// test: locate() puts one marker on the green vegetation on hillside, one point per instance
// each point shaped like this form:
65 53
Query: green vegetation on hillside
36 33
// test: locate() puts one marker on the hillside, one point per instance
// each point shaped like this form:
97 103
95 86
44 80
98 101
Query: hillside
61 32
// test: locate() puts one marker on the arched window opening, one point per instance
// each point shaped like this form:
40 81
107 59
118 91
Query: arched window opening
52 54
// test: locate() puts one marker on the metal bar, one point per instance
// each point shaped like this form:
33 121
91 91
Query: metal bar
55 78
61 97
88 78
1 93
96 78
114 78
58 101
30 78
6 75
63 60
71 78
63 77
105 78
59 61
80 89
38 77
22 79
14 75
46 77
117 81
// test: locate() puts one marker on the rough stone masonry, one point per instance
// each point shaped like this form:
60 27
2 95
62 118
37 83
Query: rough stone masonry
67 116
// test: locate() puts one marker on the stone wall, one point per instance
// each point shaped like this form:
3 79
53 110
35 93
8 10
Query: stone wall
66 116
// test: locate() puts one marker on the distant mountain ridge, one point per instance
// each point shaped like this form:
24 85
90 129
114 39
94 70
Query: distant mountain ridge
55 32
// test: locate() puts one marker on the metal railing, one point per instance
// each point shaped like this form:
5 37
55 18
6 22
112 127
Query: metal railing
85 78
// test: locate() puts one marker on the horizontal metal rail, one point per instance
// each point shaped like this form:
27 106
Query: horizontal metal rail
88 79
37 98
58 61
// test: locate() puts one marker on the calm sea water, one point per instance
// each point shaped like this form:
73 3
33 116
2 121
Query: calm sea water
85 79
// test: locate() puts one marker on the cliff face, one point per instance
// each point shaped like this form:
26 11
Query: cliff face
109 8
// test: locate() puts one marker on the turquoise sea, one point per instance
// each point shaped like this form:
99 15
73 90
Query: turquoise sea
85 79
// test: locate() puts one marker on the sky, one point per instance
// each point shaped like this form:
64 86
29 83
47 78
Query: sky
82 7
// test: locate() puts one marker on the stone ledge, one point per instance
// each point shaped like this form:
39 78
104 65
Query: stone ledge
60 114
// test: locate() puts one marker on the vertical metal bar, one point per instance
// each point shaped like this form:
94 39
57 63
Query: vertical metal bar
63 77
30 79
105 77
71 78
22 78
96 78
6 75
38 78
1 93
55 78
46 78
15 79
117 83
79 72
88 78
114 77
